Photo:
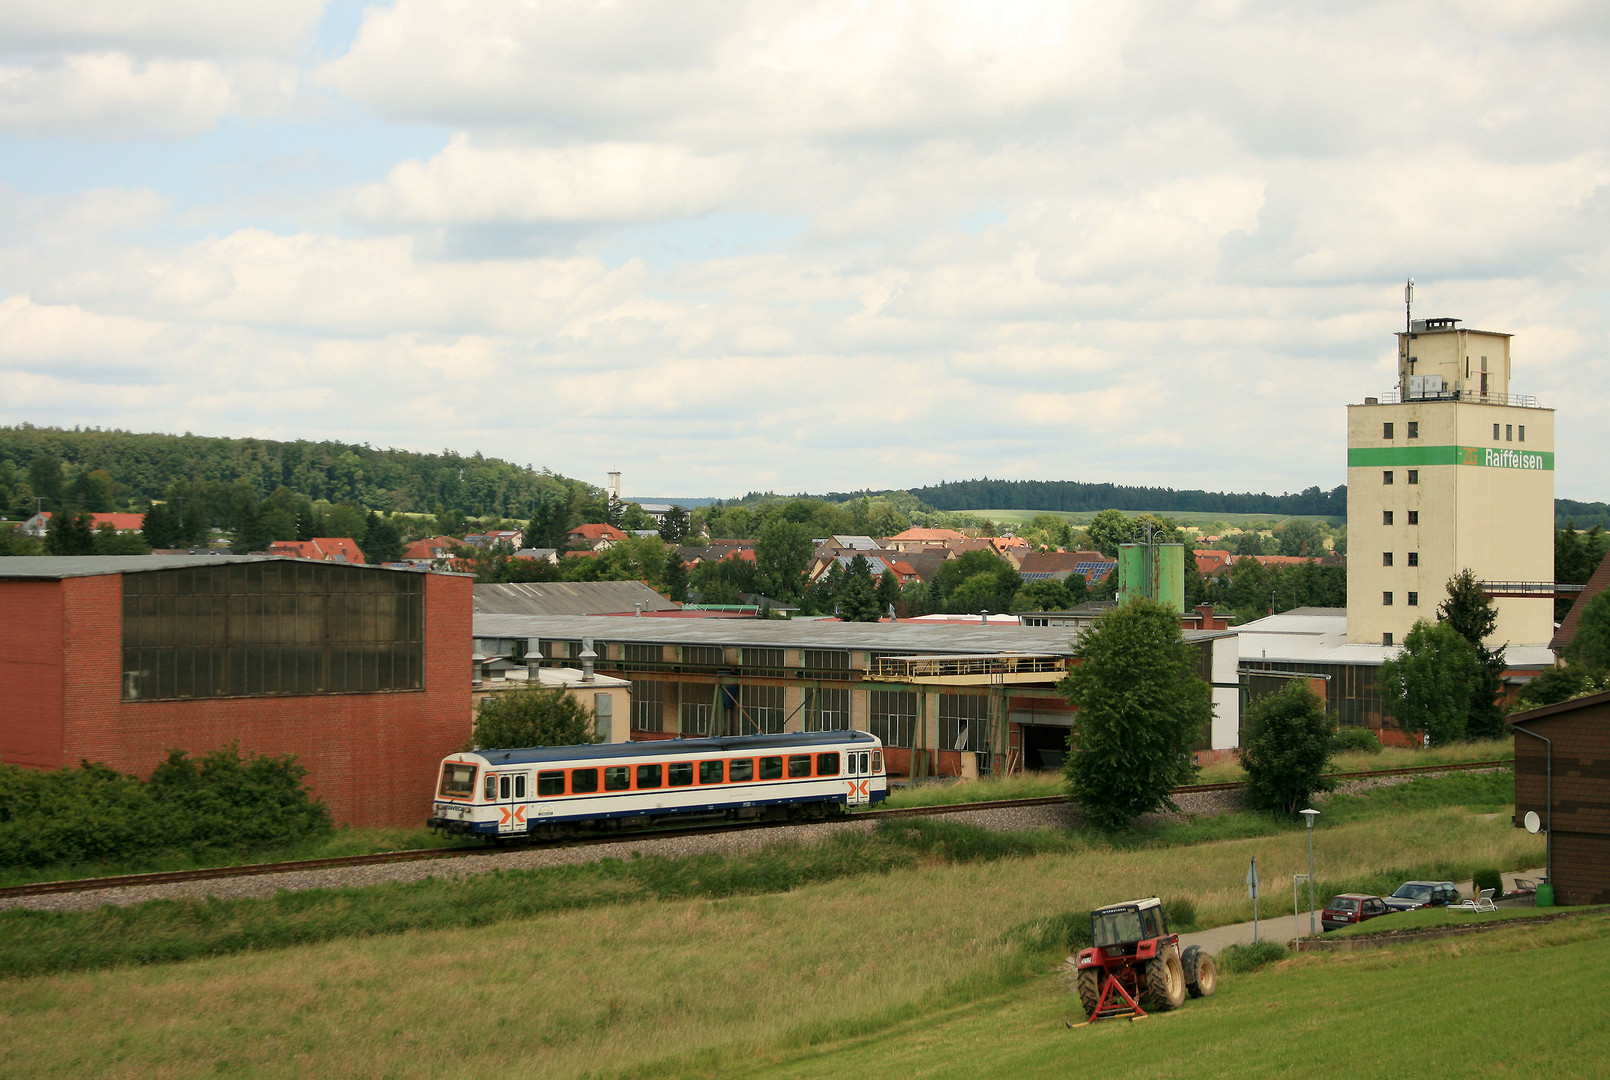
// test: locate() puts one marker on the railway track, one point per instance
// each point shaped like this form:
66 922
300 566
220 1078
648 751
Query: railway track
46 888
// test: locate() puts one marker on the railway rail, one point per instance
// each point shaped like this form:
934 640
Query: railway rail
46 888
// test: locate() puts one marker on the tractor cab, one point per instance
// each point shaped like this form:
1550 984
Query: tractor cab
1119 930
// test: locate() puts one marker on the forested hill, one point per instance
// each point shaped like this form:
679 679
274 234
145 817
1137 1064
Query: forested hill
1074 496
142 467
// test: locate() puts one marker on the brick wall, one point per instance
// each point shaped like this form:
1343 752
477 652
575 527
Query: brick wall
371 757
31 668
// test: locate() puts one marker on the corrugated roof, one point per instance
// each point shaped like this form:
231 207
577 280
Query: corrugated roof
568 598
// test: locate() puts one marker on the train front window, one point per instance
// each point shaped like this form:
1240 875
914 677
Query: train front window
742 769
799 765
712 772
679 773
550 783
458 780
771 768
648 776
583 781
827 764
617 778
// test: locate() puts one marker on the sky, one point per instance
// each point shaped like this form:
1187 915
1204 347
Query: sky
801 247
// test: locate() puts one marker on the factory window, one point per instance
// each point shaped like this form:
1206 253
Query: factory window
583 781
799 765
634 653
1386 517
827 764
679 773
771 768
1386 558
827 663
712 772
963 721
648 704
1414 599
1386 431
1509 432
1386 599
1414 517
1386 638
1414 476
703 655
762 709
827 708
741 769
271 628
1414 429
1522 433
550 783
1386 477
648 776
763 661
1414 558
617 778
892 716
696 707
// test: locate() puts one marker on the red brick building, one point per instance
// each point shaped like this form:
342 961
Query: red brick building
361 672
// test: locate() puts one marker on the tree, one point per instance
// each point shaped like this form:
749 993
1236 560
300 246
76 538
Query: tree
1141 706
1470 611
532 716
46 479
1047 595
1590 645
382 541
676 577
71 533
1287 748
1301 537
674 525
161 526
1109 529
108 541
1427 685
888 591
858 599
782 555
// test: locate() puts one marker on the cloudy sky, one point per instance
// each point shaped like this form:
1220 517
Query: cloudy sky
807 247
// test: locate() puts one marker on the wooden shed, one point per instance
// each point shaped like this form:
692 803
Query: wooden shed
1572 766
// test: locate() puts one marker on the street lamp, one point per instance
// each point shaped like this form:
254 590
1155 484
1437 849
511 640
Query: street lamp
1310 814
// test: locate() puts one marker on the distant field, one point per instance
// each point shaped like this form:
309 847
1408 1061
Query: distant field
1182 517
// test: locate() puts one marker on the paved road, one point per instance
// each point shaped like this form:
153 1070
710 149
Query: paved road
1283 928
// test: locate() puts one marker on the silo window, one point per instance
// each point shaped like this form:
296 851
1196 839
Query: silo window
1522 433
1386 477
1386 639
1414 517
1386 599
1386 558
1414 558
1386 517
1386 431
1414 476
1414 429
1414 599
1509 432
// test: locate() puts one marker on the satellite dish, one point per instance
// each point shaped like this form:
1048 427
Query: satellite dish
1533 822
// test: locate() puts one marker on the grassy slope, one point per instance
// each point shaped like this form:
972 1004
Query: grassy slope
690 985
1179 517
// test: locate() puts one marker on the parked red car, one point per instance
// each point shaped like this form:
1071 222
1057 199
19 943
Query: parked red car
1346 909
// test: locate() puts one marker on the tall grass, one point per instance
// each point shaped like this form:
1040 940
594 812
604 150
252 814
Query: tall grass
1021 786
1389 757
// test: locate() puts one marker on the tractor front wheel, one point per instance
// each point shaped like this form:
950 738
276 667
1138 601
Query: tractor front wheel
1090 989
1165 980
1201 973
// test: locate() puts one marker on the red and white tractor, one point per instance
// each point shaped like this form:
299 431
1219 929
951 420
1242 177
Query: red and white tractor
1134 958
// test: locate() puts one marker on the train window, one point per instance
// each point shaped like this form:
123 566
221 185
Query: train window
852 764
617 778
771 768
877 761
458 780
866 764
679 773
741 769
519 785
799 765
648 776
712 772
503 786
491 785
550 783
827 764
583 781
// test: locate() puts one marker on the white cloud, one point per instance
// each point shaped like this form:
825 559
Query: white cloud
159 28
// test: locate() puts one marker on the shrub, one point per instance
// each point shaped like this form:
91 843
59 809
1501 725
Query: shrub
1180 911
1354 740
1488 879
1240 959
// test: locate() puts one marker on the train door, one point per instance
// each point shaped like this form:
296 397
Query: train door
859 767
511 799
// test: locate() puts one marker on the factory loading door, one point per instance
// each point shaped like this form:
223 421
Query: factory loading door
1044 747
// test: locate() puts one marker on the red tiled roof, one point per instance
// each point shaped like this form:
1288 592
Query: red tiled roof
319 549
934 535
597 532
120 522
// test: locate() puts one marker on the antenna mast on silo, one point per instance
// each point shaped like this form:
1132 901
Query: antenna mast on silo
1408 328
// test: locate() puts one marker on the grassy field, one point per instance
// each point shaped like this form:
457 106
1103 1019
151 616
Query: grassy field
943 954
1179 517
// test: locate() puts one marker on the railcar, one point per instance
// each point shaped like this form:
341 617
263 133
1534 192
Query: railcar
550 791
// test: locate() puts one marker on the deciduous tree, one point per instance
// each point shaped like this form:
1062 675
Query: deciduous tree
1427 685
1287 748
1141 706
532 716
1470 611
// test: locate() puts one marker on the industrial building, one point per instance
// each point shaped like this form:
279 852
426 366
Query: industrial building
361 672
954 698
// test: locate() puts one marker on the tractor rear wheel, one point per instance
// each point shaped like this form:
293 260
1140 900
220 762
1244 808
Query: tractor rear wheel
1201 973
1165 980
1090 989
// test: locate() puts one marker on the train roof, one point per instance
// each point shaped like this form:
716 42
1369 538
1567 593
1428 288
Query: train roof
735 744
